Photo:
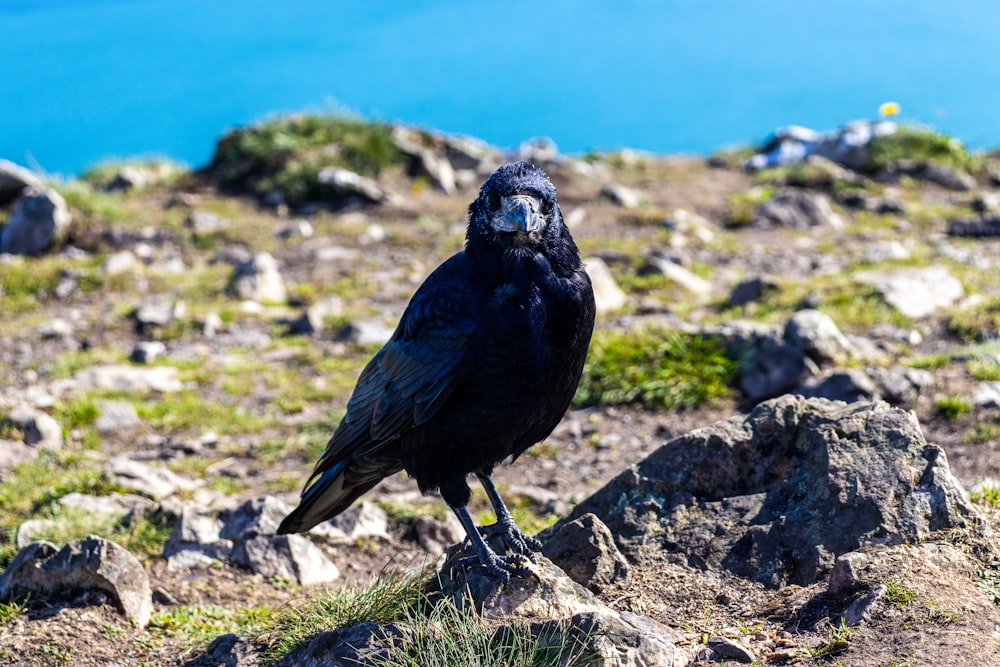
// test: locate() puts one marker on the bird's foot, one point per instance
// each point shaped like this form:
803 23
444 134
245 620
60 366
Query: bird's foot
513 538
503 567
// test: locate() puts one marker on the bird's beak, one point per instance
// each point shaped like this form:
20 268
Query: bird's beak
520 213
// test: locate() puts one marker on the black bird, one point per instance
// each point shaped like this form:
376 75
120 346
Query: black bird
482 366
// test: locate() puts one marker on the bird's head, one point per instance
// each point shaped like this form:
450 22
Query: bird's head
516 209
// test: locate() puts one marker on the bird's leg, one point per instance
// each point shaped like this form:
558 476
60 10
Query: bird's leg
497 566
505 528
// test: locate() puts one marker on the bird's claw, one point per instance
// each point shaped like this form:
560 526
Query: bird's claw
513 539
502 568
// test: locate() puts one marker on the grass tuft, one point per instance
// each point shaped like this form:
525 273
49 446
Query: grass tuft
656 368
918 144
287 153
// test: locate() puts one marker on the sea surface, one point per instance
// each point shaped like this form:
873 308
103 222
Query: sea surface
85 81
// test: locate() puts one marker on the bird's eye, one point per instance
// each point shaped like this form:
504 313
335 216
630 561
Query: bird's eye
493 201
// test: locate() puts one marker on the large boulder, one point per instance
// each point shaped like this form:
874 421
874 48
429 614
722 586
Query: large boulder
14 180
778 495
87 564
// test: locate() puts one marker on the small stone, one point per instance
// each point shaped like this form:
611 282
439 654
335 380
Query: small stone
40 217
112 504
119 377
861 609
365 332
816 334
211 325
360 521
154 482
145 352
55 329
38 429
205 223
988 395
156 312
681 276
346 184
585 549
751 290
120 262
116 416
607 294
259 280
915 292
728 648
621 195
296 229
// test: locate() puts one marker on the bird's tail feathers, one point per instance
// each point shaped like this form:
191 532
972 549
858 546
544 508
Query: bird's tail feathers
336 489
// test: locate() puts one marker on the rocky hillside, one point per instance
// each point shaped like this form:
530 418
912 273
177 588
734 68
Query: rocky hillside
784 449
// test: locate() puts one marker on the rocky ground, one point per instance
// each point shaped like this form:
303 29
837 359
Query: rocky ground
176 347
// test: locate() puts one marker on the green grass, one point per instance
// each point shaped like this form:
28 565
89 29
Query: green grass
952 407
440 634
921 145
743 204
387 598
24 284
656 368
288 152
898 595
977 323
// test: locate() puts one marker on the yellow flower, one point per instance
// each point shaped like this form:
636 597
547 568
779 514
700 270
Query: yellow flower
888 109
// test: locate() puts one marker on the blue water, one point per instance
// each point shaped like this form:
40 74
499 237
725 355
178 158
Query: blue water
88 80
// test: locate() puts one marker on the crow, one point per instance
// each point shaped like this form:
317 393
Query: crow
483 364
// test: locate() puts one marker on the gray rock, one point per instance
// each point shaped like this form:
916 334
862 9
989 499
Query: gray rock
424 161
55 329
154 482
296 229
360 521
945 176
799 209
32 530
614 638
291 557
123 261
847 569
131 177
915 292
39 219
848 385
113 504
315 318
768 366
87 564
988 395
116 416
817 335
259 280
365 332
38 429
345 184
883 251
728 648
229 651
607 294
157 312
196 531
15 452
250 529
981 226
776 496
621 195
211 325
900 385
435 536
681 276
860 610
751 290
14 180
206 223
146 351
362 644
119 377
586 551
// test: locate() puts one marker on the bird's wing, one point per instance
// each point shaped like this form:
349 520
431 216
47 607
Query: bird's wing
411 377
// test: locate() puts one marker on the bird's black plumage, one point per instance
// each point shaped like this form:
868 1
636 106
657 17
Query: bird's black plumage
482 365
